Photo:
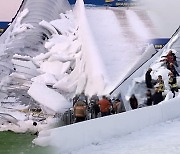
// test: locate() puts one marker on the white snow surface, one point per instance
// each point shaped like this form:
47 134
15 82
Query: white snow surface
119 52
48 97
158 139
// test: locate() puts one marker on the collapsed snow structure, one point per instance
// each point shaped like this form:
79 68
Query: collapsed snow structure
42 60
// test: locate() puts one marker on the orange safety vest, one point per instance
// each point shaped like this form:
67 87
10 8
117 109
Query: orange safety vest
80 111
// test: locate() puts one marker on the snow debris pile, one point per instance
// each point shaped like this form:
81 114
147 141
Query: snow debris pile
43 75
49 79
63 68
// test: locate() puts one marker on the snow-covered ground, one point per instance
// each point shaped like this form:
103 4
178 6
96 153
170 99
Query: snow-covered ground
162 138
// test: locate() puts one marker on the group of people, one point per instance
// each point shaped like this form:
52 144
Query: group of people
105 106
94 106
158 85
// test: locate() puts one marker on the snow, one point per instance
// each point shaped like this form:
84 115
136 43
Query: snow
50 98
96 131
157 139
97 80
18 27
85 57
64 26
118 51
47 79
164 15
105 129
48 26
137 24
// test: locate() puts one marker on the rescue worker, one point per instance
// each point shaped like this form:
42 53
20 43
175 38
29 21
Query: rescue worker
83 97
75 99
160 84
148 78
133 102
94 106
80 111
173 69
157 97
174 58
104 105
116 106
149 98
173 83
169 58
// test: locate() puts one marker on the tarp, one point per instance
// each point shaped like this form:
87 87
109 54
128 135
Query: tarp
159 43
3 26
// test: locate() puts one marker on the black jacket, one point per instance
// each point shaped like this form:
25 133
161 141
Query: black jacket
133 103
148 79
149 100
157 98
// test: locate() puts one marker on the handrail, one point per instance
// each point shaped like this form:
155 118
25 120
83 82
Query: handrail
132 73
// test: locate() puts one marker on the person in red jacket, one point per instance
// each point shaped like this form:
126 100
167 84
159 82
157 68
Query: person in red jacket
169 58
104 105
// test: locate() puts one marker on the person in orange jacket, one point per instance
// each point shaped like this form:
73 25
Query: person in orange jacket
104 105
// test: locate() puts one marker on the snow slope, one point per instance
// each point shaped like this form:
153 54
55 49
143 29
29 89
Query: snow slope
121 37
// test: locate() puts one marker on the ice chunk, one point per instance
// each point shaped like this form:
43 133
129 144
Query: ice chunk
48 97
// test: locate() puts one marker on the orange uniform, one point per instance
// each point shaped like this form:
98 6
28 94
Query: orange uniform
104 105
